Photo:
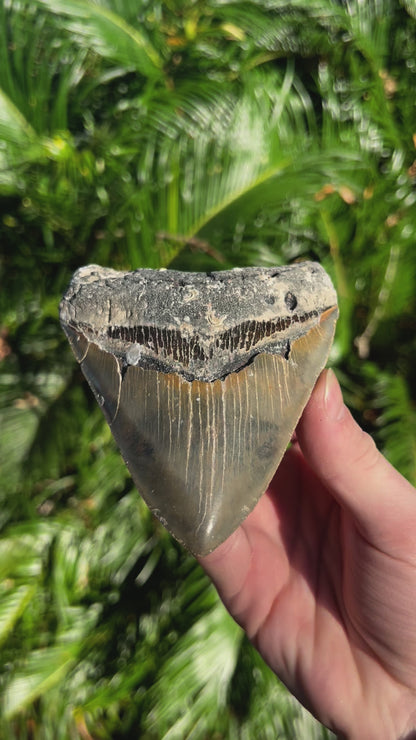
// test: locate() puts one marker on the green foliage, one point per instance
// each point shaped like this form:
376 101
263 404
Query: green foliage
199 135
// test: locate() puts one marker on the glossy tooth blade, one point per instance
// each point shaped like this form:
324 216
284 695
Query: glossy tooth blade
202 452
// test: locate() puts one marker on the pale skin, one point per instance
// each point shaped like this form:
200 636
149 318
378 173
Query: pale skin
322 576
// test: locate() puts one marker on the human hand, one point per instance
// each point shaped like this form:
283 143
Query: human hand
322 576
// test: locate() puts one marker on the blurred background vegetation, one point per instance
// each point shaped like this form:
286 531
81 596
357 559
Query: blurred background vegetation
200 134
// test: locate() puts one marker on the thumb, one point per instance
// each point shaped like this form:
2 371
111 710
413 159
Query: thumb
347 461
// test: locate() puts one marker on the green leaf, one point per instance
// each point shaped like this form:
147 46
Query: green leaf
194 679
242 155
14 128
22 550
108 34
46 667
42 670
12 606
396 423
410 6
19 424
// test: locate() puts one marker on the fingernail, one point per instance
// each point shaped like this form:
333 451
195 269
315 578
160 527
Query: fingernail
333 401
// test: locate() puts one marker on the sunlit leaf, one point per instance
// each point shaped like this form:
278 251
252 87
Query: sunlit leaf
22 550
13 126
244 155
410 7
12 605
396 423
195 678
108 34
18 430
42 670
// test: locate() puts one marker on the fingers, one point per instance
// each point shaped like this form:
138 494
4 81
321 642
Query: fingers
347 461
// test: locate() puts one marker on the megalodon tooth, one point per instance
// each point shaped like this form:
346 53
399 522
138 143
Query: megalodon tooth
202 378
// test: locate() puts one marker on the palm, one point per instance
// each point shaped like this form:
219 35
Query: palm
314 594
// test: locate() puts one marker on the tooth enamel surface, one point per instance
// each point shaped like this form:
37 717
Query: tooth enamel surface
202 378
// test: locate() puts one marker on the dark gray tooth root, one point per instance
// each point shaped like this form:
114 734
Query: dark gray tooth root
202 378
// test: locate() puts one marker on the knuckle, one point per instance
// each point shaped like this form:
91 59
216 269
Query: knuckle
367 455
361 457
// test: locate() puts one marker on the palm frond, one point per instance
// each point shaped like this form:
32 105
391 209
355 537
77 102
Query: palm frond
284 29
410 7
19 143
39 67
42 670
396 422
18 423
255 153
14 128
198 671
13 603
109 35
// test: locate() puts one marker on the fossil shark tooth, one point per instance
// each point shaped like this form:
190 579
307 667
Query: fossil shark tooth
202 378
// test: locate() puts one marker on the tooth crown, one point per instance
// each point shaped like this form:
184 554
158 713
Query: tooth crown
202 379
